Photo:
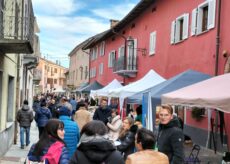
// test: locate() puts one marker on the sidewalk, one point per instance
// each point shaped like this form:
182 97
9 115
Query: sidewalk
206 156
15 154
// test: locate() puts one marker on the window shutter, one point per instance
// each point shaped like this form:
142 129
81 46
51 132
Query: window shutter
199 18
113 58
177 31
135 53
172 32
185 26
152 43
103 48
194 20
211 13
109 59
119 52
96 52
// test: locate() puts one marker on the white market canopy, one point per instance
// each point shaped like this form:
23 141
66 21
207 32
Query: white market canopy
211 93
149 80
105 91
59 90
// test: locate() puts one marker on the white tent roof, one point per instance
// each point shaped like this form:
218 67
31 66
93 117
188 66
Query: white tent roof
59 90
149 80
104 91
212 93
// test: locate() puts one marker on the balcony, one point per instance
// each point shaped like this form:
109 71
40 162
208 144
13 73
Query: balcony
62 76
37 76
126 70
16 28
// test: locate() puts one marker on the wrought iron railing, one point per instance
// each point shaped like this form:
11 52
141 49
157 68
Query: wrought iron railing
129 65
17 28
37 74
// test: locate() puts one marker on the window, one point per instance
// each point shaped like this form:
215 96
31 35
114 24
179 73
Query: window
10 102
152 43
81 72
94 53
86 72
132 56
55 81
76 73
203 17
102 48
179 28
101 68
112 59
55 70
121 51
93 72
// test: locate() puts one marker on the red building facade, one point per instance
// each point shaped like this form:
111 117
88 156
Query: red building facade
170 37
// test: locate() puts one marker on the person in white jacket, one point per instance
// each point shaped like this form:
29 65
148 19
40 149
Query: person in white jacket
114 124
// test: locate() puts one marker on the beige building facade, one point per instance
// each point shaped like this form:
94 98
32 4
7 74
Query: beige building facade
16 41
78 74
52 76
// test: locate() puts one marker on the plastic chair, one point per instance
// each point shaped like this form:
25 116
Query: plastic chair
193 157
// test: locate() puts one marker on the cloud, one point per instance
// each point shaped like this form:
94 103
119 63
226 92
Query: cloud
114 11
75 25
66 23
57 7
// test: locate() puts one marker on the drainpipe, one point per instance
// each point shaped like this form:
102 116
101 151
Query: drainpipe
217 65
218 38
125 55
17 100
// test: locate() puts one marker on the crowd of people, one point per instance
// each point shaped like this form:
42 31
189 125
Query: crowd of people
69 133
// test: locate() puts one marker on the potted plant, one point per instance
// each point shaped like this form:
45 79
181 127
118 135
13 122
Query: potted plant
197 113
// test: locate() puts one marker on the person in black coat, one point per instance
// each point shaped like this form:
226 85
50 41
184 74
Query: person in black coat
170 137
94 146
103 113
127 137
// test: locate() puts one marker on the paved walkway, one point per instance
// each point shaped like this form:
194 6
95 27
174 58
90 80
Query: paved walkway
206 156
16 155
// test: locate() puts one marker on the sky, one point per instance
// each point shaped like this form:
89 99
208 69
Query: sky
64 24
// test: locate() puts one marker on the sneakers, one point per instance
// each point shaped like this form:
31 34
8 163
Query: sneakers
22 147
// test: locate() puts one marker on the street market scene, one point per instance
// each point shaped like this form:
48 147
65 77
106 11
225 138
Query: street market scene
118 82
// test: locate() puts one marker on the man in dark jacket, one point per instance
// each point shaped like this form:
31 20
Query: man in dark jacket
103 113
170 137
25 117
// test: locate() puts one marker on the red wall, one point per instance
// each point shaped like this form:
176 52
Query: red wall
196 52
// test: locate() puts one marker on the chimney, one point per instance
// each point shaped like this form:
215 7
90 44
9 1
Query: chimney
113 22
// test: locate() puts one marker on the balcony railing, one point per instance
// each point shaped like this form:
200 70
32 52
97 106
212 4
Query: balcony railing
62 76
37 76
128 68
16 31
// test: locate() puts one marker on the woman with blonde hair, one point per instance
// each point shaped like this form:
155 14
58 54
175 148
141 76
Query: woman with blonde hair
114 124
127 137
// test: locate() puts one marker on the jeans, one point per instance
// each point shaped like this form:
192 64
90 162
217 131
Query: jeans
22 131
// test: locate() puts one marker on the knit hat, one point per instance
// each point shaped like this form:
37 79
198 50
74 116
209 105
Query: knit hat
64 111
